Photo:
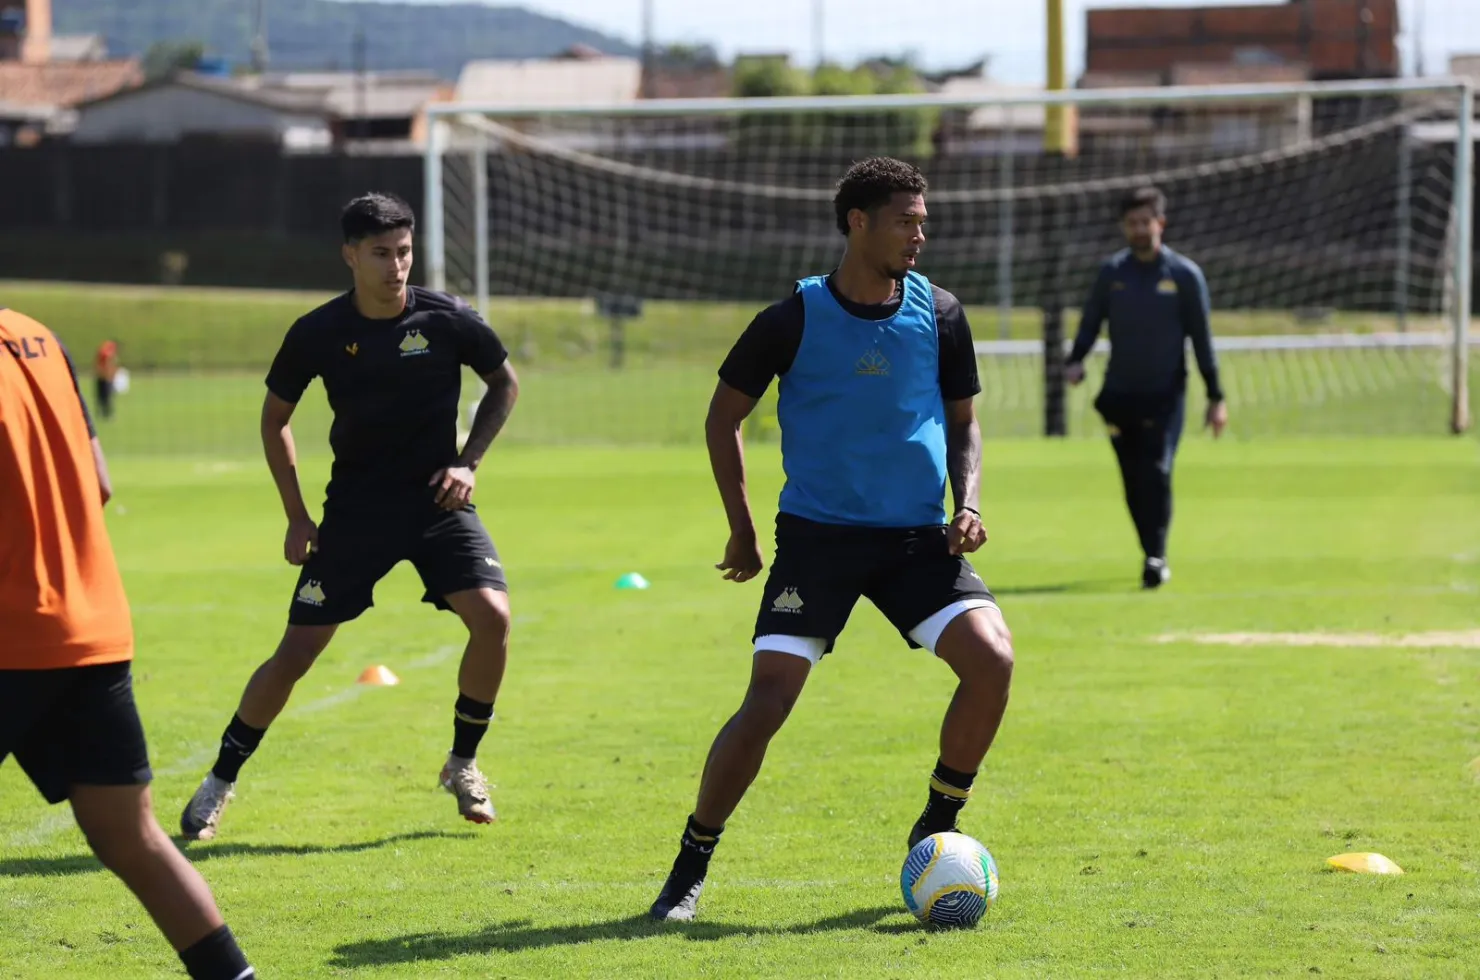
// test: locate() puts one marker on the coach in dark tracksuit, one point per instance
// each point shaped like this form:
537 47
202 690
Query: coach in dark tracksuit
1156 300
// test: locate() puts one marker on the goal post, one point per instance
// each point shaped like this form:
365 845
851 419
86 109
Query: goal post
1334 222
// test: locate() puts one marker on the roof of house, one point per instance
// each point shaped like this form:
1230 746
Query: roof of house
328 80
78 47
283 101
384 101
66 83
355 95
541 82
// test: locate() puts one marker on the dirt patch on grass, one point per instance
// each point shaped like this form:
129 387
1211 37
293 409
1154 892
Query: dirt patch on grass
1468 639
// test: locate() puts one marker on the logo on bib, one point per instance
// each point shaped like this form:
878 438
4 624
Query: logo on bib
873 363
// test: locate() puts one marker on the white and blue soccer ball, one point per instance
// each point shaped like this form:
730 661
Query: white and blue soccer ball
949 880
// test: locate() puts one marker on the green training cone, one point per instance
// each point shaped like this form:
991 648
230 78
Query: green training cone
632 580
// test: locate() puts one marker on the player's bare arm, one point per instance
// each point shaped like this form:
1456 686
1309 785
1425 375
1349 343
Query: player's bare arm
728 409
455 483
105 482
963 468
282 461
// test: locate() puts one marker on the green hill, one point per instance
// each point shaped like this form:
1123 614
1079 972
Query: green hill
305 34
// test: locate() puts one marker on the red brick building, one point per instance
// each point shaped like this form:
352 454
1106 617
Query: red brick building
1329 39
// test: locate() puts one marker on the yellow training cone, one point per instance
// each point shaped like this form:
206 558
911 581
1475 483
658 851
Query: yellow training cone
1368 864
379 676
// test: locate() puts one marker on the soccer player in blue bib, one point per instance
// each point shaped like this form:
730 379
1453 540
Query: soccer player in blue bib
1155 300
878 376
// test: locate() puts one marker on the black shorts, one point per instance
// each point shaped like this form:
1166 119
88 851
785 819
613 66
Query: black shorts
821 570
358 546
73 725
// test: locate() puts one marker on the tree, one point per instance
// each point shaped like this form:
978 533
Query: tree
164 59
905 132
762 78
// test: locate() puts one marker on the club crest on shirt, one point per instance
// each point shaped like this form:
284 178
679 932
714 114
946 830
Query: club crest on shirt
873 363
352 349
414 343
1167 287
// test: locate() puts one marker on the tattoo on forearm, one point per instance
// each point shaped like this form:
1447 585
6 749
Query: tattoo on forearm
488 421
963 464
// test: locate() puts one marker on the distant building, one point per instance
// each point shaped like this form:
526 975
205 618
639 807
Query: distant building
194 106
300 111
381 111
1465 66
43 78
79 47
992 128
582 78
25 31
1332 39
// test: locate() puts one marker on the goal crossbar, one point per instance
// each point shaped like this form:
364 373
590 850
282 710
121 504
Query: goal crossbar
440 111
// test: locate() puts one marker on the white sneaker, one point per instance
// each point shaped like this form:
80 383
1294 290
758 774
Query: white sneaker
461 778
202 816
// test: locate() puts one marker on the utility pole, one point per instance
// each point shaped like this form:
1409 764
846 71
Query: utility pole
649 50
259 38
362 81
1418 27
818 19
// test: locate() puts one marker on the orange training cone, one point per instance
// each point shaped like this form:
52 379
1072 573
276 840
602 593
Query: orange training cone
379 676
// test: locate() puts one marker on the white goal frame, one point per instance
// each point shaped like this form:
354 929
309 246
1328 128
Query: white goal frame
443 116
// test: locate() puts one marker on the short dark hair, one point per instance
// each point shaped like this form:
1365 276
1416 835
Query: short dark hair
375 214
1144 197
870 183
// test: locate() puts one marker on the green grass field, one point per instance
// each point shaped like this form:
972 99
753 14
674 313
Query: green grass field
1157 808
198 357
173 328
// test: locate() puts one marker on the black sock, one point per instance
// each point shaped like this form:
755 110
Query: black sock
696 848
469 723
238 743
217 957
949 791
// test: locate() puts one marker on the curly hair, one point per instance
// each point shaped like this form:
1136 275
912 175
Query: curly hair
870 183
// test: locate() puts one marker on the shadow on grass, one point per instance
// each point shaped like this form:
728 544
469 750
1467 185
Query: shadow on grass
519 934
1086 587
76 864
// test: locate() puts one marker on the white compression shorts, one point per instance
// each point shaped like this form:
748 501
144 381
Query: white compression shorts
927 633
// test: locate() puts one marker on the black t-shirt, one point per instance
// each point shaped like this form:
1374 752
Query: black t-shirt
769 345
393 385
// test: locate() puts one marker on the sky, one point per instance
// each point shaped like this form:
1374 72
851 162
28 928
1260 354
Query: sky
942 33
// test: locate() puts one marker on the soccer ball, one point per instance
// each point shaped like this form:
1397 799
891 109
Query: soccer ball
949 880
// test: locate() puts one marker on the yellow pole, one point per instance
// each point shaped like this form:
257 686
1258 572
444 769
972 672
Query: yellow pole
1056 146
1058 123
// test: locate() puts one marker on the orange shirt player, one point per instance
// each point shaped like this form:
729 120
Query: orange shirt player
66 695
105 374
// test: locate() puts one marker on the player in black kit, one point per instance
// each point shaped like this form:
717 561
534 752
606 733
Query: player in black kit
391 358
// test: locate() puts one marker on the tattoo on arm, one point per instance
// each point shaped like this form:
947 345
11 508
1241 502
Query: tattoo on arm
964 462
488 421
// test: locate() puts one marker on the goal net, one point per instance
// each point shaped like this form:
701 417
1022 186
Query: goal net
621 251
